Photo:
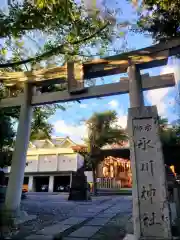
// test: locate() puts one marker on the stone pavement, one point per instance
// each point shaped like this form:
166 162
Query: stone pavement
103 218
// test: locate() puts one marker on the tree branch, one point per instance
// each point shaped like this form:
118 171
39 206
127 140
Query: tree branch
53 51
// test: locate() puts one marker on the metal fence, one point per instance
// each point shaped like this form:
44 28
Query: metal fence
108 183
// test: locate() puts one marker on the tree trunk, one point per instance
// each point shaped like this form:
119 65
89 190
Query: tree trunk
94 182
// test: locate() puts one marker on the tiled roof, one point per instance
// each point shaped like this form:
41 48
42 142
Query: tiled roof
54 142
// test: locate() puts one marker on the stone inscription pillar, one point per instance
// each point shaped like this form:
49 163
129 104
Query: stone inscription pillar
151 213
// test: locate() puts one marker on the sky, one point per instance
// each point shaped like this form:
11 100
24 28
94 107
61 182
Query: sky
72 121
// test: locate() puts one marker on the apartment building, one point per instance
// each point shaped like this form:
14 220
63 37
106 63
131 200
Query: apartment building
50 164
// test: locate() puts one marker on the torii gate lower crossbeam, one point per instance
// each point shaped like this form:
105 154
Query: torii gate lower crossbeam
122 87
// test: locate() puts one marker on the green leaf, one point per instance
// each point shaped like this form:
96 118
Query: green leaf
3 51
121 34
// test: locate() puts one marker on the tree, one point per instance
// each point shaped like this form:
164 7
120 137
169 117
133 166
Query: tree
58 31
40 129
169 135
160 18
65 27
6 139
102 130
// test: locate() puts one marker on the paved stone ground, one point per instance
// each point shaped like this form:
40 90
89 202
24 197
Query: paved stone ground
102 218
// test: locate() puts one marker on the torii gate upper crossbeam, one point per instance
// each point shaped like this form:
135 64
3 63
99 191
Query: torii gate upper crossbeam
153 56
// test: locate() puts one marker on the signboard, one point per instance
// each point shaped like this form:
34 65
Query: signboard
150 177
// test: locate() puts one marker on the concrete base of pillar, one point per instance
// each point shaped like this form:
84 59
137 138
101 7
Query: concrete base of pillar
10 220
23 217
129 237
16 217
132 237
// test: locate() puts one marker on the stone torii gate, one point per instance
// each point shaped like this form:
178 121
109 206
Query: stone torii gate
150 207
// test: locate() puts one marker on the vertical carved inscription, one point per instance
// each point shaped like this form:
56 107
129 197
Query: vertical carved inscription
153 207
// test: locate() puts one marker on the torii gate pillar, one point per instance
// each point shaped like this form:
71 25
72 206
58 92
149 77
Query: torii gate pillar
16 178
151 212
135 87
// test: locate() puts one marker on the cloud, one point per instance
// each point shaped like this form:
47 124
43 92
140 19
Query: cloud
98 6
158 97
171 101
122 121
82 105
76 133
113 104
167 69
